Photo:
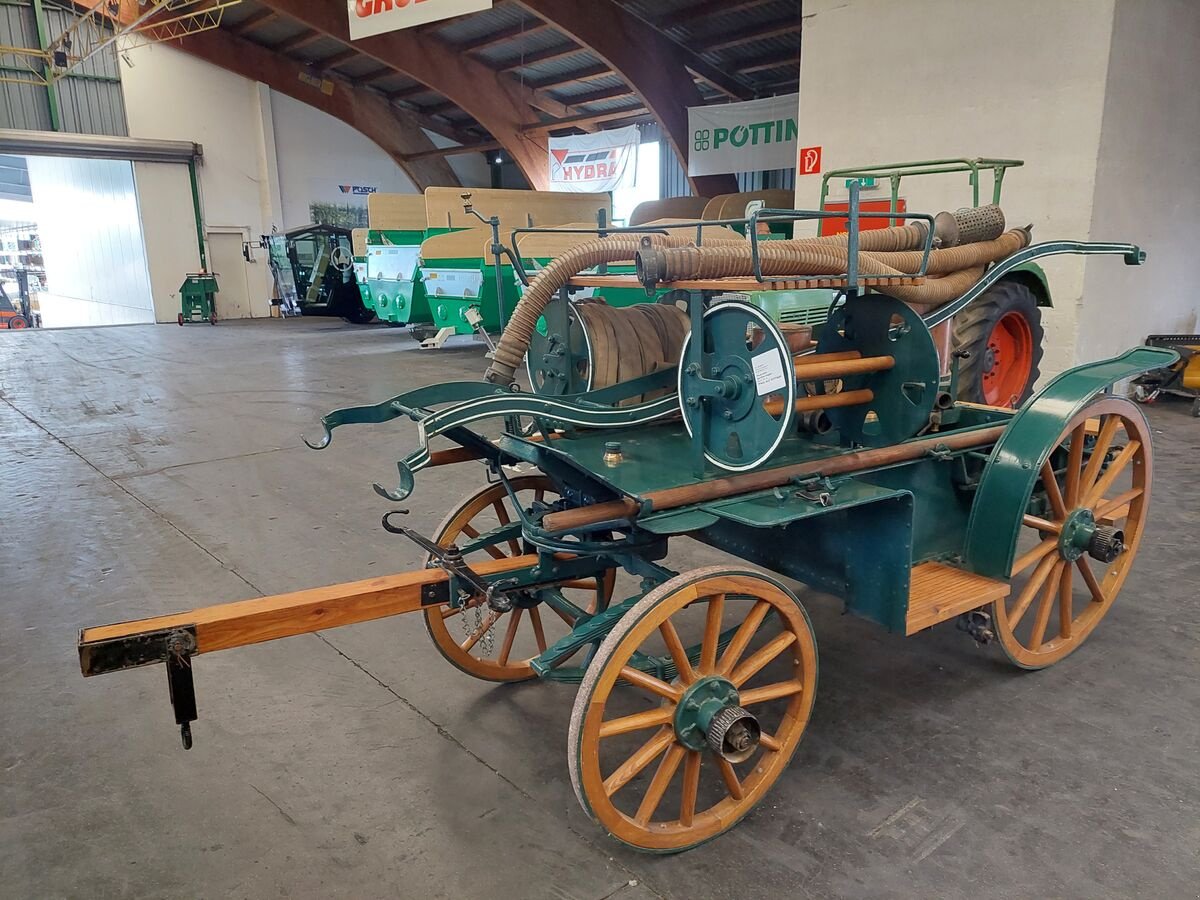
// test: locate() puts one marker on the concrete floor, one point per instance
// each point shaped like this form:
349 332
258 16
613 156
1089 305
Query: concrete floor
151 469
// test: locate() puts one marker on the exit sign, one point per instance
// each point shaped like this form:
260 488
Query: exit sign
864 182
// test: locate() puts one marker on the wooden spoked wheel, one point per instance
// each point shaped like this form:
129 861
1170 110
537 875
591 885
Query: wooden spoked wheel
701 679
480 641
1097 487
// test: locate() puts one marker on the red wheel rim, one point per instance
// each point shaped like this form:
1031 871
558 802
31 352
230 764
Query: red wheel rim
17 322
1009 360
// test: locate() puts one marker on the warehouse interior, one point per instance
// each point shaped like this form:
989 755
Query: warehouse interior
758 400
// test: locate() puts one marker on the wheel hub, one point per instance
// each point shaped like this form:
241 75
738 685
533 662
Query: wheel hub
1077 532
699 708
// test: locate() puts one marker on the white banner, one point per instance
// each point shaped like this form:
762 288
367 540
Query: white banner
594 162
368 17
754 136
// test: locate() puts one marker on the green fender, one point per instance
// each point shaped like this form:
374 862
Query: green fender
1033 277
1032 434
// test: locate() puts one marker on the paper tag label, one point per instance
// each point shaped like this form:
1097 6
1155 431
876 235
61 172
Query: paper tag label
768 372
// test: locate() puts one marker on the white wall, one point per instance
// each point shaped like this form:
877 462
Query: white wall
316 153
883 81
1147 180
171 95
266 158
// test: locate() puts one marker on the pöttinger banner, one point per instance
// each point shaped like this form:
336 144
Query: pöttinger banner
754 136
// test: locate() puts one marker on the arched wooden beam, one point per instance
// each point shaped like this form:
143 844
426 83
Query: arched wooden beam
655 67
366 111
501 105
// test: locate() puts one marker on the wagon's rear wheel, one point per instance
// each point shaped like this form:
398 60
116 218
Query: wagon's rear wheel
692 707
1097 488
499 646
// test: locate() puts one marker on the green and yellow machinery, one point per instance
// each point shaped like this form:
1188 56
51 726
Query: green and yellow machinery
313 266
848 465
392 285
198 299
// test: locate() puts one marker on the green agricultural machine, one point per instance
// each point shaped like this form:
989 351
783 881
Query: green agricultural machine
198 298
314 273
844 462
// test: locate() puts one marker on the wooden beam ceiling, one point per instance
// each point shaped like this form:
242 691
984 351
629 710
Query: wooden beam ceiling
653 65
366 111
502 106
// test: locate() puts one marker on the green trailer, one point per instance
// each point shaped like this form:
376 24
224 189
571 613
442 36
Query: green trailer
696 687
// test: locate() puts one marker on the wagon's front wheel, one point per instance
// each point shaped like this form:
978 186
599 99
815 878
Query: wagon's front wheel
499 646
1096 484
692 707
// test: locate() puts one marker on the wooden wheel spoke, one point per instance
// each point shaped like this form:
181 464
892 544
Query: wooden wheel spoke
1036 580
1066 604
1108 431
1105 481
562 615
770 742
491 549
1050 483
510 635
1074 465
1089 578
641 758
770 692
1028 558
502 514
742 637
712 633
732 784
682 664
691 787
762 657
658 784
1111 508
1042 525
479 632
649 683
661 715
535 617
1044 607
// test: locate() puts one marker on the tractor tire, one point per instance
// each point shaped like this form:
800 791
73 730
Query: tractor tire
1002 332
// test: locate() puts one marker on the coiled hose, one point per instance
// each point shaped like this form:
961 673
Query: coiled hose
514 342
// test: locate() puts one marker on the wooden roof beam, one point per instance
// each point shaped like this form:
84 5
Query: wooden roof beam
757 32
296 42
252 21
502 106
597 71
364 110
654 66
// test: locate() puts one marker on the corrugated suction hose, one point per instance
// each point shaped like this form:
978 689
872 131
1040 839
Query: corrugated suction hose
514 341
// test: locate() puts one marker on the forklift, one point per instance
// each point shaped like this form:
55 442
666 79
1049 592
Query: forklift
313 267
19 314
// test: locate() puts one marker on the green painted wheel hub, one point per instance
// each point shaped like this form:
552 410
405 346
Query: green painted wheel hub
699 704
1076 534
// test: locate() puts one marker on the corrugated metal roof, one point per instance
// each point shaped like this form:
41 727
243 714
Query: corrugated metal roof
319 49
514 50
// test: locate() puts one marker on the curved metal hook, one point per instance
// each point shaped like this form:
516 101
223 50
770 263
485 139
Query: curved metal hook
403 490
324 441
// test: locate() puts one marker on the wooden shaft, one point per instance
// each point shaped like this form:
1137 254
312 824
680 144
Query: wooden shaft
300 612
774 406
809 359
452 455
820 371
673 498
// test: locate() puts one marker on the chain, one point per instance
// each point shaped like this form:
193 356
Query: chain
488 641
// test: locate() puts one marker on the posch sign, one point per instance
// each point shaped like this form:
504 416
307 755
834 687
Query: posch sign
368 17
